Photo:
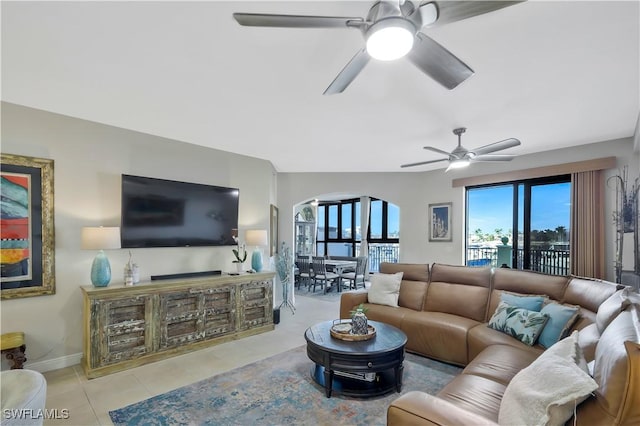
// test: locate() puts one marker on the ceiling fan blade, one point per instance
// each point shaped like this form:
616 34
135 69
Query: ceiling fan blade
433 148
295 21
438 63
348 73
423 162
494 157
451 11
496 146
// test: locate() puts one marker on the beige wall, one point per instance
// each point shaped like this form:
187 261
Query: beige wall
88 161
413 192
90 157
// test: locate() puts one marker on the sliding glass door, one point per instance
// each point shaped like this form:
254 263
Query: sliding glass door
523 224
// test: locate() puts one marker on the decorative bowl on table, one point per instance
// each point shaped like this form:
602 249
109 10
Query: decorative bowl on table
341 329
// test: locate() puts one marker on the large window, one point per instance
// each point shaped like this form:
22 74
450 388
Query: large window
340 233
523 225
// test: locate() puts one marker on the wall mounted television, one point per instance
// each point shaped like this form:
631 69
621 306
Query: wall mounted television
165 213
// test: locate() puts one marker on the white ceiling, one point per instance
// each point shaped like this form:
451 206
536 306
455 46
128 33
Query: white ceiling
552 74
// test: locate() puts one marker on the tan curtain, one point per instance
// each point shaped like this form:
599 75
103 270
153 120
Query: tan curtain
587 224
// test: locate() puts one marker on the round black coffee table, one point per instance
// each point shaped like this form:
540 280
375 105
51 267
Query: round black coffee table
362 368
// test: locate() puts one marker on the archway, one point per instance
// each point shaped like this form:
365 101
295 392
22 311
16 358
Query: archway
338 225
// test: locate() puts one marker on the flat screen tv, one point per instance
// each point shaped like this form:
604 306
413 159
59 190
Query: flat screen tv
165 213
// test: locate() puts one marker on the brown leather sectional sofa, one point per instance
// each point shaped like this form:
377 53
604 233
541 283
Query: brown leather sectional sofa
444 311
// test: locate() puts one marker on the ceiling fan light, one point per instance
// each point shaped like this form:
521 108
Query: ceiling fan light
459 164
390 39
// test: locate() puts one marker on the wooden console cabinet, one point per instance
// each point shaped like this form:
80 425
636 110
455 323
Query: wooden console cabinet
126 327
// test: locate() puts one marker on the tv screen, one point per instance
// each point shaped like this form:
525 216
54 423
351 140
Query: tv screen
166 213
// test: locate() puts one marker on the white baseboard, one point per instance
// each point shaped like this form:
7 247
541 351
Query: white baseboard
55 363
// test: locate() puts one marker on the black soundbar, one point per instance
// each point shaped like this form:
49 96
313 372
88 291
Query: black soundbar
185 275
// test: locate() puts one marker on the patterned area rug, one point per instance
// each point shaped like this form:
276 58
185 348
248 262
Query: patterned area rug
277 391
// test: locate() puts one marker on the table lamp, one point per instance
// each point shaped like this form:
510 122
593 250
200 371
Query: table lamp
100 238
258 238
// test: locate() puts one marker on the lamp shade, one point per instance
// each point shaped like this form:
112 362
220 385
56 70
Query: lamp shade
256 237
100 237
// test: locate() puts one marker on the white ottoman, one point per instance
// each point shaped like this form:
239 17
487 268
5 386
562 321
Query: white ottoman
24 393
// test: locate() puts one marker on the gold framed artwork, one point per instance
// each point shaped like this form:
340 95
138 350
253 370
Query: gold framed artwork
273 230
440 222
27 257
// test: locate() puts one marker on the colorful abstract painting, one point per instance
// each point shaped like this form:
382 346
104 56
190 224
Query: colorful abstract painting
15 221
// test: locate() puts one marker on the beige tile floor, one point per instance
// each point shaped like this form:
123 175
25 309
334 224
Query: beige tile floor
89 401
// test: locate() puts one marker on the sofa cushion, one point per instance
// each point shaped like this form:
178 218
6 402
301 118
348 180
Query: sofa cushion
476 394
438 335
385 289
525 282
500 363
458 290
589 293
386 314
520 323
589 337
415 281
530 303
420 408
349 300
545 393
611 307
570 348
529 282
482 337
617 371
561 318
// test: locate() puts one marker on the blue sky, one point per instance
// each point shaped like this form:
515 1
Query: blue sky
491 207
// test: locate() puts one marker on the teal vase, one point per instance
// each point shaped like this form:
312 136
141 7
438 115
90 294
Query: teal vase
100 270
256 260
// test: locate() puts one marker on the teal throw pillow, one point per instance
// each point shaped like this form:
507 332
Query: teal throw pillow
520 323
561 318
530 303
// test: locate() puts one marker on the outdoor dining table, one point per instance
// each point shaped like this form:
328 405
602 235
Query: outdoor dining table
338 267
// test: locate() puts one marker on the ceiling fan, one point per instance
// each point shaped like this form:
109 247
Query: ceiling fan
462 157
392 29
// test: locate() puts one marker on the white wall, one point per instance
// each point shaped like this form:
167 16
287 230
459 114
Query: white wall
414 191
88 161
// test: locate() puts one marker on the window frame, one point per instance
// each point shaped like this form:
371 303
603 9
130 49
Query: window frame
352 219
526 184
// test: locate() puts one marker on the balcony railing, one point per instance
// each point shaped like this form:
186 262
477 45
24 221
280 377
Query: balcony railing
554 262
379 253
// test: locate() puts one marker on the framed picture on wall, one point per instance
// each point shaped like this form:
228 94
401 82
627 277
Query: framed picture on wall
273 231
26 225
440 222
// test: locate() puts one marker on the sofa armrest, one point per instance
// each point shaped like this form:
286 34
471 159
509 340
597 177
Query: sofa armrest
419 408
349 300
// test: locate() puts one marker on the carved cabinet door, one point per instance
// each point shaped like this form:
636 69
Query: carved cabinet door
256 306
124 332
181 317
219 311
